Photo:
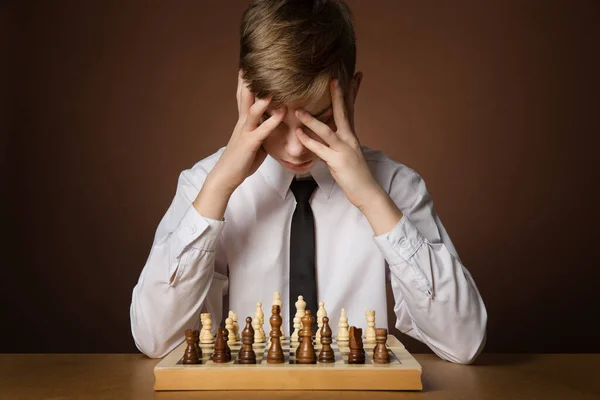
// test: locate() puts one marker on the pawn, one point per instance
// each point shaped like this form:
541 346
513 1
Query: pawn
357 352
220 348
275 355
247 354
230 331
343 334
370 333
326 355
191 355
306 353
380 352
206 334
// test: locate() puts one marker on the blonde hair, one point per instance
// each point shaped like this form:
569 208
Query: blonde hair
290 49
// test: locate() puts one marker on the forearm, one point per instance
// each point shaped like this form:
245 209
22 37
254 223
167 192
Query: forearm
381 212
174 283
160 312
437 301
212 199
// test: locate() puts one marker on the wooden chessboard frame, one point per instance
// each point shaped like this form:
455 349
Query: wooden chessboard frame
402 373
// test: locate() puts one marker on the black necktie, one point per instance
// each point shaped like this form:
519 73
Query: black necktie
302 250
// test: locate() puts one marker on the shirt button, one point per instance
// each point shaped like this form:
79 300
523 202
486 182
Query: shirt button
193 229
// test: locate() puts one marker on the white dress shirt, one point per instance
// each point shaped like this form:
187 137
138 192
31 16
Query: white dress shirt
217 266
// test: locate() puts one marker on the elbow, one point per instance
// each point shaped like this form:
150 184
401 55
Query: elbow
470 342
467 353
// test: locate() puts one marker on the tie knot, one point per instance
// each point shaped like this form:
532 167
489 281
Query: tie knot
302 189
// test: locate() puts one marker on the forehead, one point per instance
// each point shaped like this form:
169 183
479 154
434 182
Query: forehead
312 105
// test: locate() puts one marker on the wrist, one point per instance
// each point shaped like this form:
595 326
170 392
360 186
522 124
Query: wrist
382 213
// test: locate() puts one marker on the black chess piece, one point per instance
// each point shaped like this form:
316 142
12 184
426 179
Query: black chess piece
380 352
191 352
275 354
357 351
326 355
247 354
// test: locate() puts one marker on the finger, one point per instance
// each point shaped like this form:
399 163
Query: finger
339 109
247 99
318 127
254 113
238 93
322 151
267 127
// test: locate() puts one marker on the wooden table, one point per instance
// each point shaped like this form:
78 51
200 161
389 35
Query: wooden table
130 376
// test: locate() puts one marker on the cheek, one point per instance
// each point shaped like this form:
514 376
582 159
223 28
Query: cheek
274 142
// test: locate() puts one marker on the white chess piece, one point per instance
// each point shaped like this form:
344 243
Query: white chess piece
229 327
257 324
205 334
343 333
370 334
236 326
320 314
277 301
300 311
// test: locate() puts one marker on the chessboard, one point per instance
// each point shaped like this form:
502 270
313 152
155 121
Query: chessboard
403 372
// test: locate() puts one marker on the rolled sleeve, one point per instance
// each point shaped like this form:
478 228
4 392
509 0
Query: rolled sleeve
197 231
399 247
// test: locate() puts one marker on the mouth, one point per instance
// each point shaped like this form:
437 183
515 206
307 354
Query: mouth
297 167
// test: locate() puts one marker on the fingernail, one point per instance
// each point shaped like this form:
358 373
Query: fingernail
299 113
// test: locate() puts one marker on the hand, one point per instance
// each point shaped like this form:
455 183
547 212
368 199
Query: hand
244 152
342 154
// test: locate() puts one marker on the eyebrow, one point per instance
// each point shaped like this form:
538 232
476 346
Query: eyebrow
317 115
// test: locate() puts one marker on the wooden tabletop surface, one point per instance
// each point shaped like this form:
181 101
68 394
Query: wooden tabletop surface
130 376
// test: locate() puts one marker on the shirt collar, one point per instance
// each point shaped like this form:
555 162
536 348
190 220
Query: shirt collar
280 178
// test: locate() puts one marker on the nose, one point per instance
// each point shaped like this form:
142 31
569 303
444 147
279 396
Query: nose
293 146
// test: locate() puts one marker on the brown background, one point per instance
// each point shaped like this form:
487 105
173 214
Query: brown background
492 103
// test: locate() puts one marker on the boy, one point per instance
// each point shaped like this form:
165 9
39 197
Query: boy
294 204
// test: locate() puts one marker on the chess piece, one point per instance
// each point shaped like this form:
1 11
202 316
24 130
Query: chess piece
380 352
258 322
196 334
370 334
343 334
191 355
247 354
300 309
326 355
357 352
275 355
220 348
320 314
306 353
206 333
236 325
230 331
300 337
227 348
277 302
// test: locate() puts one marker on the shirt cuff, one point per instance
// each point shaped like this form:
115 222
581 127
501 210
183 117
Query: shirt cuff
401 243
197 231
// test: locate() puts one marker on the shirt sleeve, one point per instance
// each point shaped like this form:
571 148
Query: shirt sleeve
436 299
180 274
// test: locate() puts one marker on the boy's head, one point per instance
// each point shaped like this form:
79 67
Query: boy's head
290 50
